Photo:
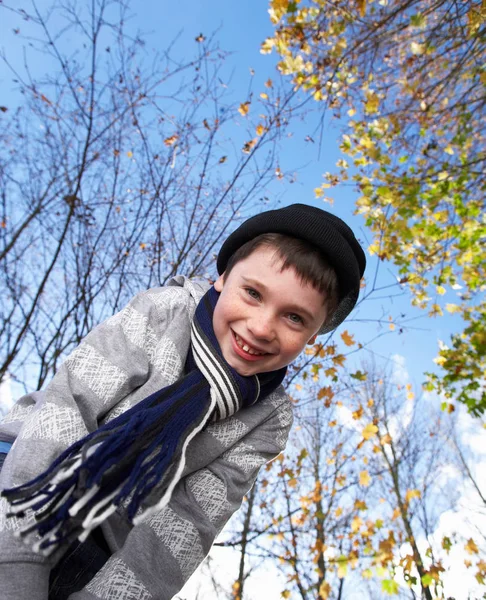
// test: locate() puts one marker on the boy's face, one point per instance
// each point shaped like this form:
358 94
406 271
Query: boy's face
265 317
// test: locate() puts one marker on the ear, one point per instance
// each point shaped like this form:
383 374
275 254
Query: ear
219 283
312 341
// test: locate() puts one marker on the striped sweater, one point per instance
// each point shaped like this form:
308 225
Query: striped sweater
131 355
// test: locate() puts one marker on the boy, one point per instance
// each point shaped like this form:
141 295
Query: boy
181 391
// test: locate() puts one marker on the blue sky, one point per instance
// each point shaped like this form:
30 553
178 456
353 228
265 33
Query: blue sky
240 27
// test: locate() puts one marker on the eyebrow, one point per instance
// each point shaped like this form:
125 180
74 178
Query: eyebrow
292 307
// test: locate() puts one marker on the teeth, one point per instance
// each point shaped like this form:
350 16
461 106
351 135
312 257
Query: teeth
247 348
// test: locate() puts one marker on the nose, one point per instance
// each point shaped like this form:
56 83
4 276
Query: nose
262 327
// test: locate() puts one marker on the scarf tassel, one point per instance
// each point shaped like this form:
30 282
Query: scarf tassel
82 487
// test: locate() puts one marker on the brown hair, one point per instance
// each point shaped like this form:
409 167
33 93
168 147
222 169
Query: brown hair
309 264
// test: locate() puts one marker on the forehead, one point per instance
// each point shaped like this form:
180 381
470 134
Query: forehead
264 267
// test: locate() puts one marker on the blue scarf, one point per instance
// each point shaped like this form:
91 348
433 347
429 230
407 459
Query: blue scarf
137 459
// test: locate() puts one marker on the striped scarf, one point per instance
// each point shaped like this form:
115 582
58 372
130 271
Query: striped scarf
136 460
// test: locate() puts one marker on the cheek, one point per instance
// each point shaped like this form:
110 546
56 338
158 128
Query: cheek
293 345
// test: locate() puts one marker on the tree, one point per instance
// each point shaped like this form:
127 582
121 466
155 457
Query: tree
357 501
411 76
117 171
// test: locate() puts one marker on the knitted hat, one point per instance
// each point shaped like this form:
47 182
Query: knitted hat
328 233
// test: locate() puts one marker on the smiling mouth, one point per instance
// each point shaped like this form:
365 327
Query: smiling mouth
246 348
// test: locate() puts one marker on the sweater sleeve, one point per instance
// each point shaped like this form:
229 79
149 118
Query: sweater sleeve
161 553
110 365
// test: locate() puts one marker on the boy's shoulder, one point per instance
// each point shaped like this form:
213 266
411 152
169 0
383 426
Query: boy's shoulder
178 292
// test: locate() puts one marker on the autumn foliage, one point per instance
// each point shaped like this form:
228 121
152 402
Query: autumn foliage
408 79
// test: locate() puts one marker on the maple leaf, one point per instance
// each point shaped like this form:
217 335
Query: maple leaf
356 523
347 338
170 141
244 108
412 494
325 392
471 547
369 431
324 590
364 478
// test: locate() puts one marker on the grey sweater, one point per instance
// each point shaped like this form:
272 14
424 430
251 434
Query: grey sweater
131 355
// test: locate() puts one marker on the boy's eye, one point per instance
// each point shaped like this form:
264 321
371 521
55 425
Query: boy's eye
253 293
296 318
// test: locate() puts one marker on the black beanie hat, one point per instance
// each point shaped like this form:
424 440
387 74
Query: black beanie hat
328 233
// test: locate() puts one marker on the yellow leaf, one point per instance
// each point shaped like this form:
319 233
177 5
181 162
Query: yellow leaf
339 359
449 149
440 289
129 154
338 512
286 594
471 547
356 523
143 246
412 494
392 326
351 112
361 4
267 46
244 108
325 392
357 414
372 103
264 96
170 141
347 338
417 48
453 308
396 514
260 129
386 439
364 478
370 403
369 431
342 568
324 590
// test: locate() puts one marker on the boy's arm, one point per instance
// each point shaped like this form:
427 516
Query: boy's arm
160 554
112 363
